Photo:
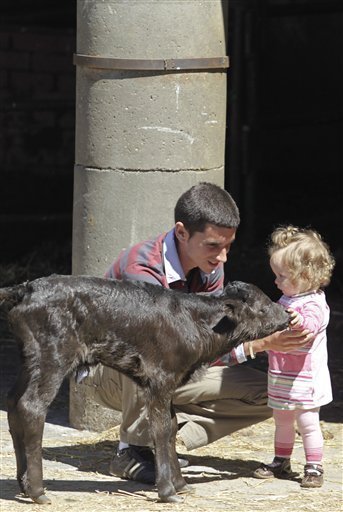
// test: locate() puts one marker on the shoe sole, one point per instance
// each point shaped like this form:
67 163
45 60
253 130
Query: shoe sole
280 476
311 485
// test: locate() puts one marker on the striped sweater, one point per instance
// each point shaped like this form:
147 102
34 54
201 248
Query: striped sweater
156 261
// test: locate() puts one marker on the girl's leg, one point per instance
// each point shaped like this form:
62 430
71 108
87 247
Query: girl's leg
284 433
309 427
283 446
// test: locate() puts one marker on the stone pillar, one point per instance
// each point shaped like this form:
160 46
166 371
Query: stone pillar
142 136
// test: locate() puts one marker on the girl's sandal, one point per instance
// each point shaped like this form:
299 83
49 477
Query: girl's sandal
313 476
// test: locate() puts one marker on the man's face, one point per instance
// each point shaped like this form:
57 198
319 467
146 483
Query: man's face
205 250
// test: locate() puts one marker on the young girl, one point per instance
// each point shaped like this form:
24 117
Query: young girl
299 381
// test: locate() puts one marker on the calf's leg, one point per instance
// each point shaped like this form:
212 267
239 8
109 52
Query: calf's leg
168 474
177 478
16 425
26 430
26 417
17 433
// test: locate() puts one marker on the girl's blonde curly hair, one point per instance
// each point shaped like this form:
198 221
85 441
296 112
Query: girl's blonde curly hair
305 255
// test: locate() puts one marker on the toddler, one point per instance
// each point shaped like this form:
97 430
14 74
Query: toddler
299 381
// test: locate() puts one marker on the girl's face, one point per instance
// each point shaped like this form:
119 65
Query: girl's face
283 279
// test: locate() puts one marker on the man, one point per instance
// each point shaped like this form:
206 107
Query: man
229 396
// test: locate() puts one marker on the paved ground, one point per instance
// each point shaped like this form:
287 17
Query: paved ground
76 474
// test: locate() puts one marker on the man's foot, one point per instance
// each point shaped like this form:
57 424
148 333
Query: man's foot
137 463
313 476
279 468
134 463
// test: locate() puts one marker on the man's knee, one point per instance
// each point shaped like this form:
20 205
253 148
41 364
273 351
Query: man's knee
107 387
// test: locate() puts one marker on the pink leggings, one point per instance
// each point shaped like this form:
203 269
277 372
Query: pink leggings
309 428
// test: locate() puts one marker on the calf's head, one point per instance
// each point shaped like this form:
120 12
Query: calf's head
250 313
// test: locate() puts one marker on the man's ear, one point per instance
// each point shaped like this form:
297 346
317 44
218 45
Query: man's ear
181 232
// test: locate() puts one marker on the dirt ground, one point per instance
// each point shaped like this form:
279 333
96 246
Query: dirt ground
76 475
76 462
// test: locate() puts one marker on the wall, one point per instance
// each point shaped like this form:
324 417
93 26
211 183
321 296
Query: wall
37 93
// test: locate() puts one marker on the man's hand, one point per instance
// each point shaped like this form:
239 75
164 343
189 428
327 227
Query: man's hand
283 341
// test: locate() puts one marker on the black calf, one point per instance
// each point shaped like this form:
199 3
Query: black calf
155 336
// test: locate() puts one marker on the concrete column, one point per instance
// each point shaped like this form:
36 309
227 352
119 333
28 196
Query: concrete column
142 137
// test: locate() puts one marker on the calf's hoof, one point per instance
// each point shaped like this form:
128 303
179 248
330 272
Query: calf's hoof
43 499
174 498
186 489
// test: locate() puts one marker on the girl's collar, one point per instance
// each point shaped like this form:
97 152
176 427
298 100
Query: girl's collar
310 292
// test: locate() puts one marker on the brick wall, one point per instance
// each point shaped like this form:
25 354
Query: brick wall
37 110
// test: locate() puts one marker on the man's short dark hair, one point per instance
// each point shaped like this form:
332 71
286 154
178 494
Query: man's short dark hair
206 203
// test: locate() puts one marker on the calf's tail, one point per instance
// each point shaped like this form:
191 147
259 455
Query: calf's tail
11 296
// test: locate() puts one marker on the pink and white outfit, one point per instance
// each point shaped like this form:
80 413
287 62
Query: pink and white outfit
299 381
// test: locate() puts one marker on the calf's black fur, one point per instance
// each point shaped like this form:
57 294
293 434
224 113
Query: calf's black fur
157 337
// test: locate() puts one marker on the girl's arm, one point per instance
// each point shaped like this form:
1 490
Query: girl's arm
309 316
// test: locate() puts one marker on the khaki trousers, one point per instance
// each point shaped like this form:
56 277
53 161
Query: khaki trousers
223 401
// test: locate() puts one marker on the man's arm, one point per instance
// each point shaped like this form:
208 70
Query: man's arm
141 262
280 341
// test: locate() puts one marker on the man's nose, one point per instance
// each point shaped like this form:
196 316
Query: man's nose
222 256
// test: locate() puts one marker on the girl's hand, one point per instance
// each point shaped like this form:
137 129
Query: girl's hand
296 320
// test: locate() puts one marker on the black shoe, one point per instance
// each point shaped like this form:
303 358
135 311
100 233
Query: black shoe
137 463
134 463
183 463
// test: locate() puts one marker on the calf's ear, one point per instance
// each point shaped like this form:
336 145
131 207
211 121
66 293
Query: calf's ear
228 322
225 325
237 290
233 308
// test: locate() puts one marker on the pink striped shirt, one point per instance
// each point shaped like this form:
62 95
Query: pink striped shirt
301 379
